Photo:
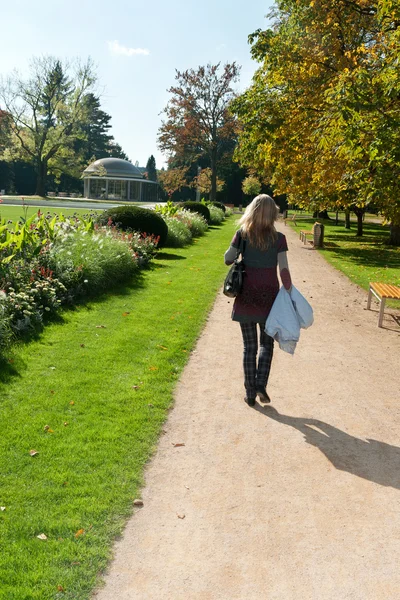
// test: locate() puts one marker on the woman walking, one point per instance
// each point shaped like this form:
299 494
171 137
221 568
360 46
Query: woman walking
262 249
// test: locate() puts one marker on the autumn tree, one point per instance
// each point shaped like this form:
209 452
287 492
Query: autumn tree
198 119
172 180
321 117
251 186
203 182
46 111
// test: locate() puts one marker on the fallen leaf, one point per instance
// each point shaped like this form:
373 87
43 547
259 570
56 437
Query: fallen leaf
82 345
52 368
181 516
60 588
52 392
135 387
42 536
178 445
162 347
100 326
47 428
150 405
153 368
125 314
138 502
65 424
79 533
72 403
2 508
33 452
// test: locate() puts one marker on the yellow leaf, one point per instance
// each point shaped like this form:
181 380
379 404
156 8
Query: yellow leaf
79 533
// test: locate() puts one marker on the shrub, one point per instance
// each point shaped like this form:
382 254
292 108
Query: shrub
216 215
179 234
194 221
87 264
136 218
197 207
218 205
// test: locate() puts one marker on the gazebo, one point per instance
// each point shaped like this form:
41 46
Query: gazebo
117 179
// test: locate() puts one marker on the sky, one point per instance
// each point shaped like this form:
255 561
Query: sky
136 48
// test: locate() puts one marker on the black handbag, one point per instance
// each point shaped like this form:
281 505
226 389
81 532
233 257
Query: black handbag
234 280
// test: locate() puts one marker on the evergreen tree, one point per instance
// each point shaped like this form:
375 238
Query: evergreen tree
151 169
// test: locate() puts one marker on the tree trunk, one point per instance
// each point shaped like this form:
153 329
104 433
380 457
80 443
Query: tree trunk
359 212
394 239
321 214
41 178
347 218
213 193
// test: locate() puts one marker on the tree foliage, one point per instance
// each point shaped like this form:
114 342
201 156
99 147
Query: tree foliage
198 120
151 169
172 180
322 117
54 121
203 182
46 111
251 186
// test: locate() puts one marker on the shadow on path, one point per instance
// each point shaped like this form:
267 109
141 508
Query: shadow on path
370 459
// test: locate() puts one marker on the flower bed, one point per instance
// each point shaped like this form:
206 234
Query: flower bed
49 261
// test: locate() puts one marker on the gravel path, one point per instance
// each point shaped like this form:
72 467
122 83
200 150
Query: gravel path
296 501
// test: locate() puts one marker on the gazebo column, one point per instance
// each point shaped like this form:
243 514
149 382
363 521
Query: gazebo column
107 189
141 191
88 188
128 191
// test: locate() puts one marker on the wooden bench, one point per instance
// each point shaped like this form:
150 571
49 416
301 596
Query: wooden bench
304 234
382 291
62 194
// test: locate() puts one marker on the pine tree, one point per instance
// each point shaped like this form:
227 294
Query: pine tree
151 169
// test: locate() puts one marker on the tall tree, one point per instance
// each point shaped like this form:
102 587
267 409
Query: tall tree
151 169
47 110
95 125
321 118
198 119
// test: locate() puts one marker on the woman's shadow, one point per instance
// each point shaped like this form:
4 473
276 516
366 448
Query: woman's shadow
376 461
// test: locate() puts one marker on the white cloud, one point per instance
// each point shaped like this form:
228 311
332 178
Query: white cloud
117 50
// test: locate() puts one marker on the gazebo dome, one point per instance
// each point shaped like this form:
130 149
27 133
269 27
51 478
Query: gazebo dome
114 168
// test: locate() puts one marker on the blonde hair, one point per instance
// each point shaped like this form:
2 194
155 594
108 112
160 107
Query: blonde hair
257 223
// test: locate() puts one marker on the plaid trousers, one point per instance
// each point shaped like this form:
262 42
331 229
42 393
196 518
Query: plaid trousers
256 373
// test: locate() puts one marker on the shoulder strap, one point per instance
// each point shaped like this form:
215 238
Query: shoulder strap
242 244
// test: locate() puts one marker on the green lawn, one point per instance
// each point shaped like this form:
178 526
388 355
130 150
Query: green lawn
14 213
90 395
362 259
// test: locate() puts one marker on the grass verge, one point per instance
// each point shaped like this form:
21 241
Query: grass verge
362 259
90 396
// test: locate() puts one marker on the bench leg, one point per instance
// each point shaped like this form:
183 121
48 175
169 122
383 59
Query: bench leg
382 308
369 299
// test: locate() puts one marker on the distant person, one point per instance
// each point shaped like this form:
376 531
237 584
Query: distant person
263 250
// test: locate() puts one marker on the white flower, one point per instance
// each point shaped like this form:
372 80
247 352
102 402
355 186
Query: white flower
47 308
85 281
